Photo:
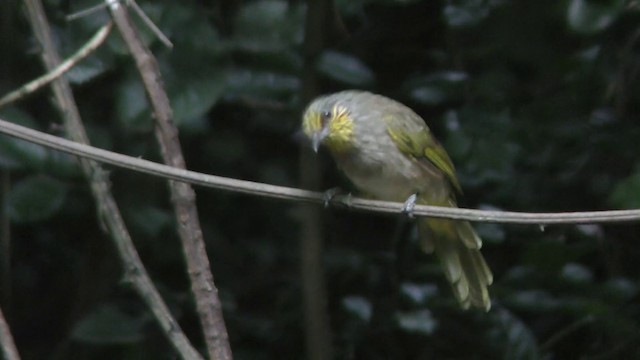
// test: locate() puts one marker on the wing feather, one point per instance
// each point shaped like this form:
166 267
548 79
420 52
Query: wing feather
415 140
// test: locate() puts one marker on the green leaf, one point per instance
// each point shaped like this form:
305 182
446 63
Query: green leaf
491 233
192 70
519 341
538 301
345 68
418 293
591 16
626 194
226 148
148 219
132 106
109 325
358 306
269 24
260 83
576 274
489 158
35 198
434 89
620 290
62 165
20 154
192 96
466 13
419 322
89 68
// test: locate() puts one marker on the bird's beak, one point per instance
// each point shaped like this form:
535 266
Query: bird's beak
318 137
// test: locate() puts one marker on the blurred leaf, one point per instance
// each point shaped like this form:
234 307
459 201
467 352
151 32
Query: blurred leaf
358 306
148 219
259 83
20 154
345 68
465 13
483 140
626 194
548 255
459 145
591 16
420 322
193 97
491 233
132 106
418 293
189 29
35 198
519 341
88 69
267 35
576 274
536 301
63 165
269 24
620 290
108 325
192 70
226 148
436 88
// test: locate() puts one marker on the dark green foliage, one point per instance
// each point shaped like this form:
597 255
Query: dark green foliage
535 101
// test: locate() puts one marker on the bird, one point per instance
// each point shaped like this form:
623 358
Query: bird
388 152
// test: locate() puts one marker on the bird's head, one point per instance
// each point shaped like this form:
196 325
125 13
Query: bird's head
327 121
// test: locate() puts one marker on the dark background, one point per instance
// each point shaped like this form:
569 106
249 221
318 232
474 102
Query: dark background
535 101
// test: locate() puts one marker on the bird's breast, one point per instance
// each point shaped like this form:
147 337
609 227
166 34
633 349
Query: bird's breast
386 173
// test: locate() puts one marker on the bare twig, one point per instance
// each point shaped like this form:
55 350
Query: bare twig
107 209
86 12
183 197
299 195
566 332
30 87
134 5
8 348
161 36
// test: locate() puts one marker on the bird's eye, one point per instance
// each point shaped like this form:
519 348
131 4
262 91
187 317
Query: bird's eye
325 116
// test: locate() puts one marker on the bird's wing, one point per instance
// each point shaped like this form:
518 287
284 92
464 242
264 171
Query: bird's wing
414 139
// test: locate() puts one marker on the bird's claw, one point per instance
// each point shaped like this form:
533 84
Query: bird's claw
330 194
409 205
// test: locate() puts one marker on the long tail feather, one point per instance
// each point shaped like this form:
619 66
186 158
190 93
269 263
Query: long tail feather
458 248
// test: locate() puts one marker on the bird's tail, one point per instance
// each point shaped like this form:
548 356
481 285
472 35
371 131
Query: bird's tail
458 247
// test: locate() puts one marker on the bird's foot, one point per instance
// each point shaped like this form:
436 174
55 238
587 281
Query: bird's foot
409 205
331 194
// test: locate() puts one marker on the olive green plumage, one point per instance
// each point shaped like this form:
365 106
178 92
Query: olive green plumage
388 152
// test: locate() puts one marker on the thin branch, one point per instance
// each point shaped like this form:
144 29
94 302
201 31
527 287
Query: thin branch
86 12
8 348
30 87
183 197
107 209
299 195
566 332
154 28
134 5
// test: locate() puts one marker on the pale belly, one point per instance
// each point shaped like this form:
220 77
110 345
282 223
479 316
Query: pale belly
394 179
